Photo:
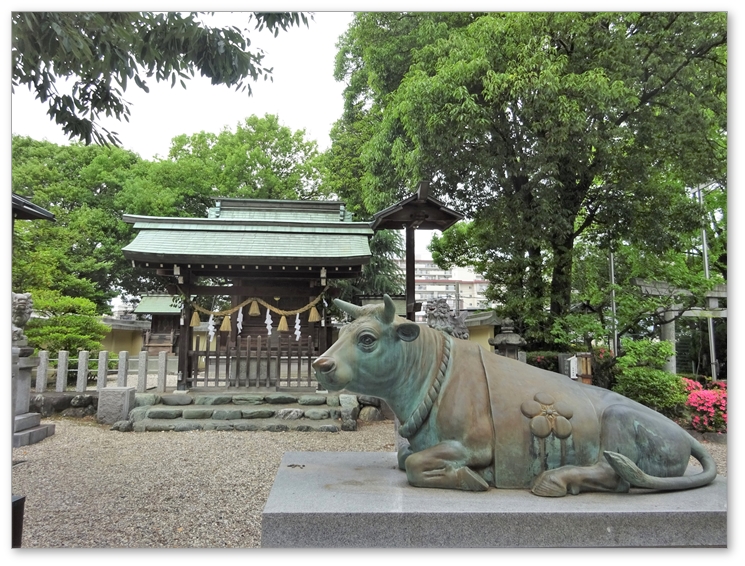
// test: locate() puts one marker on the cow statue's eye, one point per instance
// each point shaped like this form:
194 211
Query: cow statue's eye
366 339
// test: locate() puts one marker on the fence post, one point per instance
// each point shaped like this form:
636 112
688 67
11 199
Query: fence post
62 358
142 372
41 372
121 376
82 382
162 370
103 369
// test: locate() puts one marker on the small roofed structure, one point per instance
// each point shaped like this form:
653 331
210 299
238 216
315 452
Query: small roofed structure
418 211
282 253
164 328
24 209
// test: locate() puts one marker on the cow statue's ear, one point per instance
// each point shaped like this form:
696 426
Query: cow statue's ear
408 331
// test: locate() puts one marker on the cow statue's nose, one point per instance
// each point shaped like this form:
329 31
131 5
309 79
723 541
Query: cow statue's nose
324 365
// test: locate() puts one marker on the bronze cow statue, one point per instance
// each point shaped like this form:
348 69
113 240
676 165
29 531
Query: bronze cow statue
474 419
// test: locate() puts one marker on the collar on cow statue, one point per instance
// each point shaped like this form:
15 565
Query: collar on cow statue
409 427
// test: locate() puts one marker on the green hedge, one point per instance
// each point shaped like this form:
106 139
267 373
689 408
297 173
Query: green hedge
544 360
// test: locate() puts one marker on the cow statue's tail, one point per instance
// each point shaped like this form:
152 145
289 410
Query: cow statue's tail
629 471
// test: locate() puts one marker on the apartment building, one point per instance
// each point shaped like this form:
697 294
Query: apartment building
461 287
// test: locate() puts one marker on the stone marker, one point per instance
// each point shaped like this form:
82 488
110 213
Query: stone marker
121 372
162 371
103 369
41 372
142 372
114 404
63 357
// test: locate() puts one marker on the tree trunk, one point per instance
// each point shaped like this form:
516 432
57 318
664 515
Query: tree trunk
561 276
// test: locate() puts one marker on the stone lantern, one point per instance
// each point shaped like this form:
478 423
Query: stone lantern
507 342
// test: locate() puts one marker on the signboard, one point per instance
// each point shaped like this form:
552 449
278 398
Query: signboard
572 367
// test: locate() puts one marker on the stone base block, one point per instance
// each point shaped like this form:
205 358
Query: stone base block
32 435
26 421
114 404
362 499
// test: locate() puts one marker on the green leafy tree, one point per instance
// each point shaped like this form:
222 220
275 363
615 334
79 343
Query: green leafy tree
382 275
64 323
104 51
543 126
79 255
642 378
260 159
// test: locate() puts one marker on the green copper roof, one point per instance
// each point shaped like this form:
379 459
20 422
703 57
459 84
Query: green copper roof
157 304
260 232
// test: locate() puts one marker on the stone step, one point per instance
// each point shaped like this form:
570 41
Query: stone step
26 421
243 399
272 425
235 412
255 410
32 435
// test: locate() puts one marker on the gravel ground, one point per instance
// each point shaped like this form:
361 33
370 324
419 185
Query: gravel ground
88 486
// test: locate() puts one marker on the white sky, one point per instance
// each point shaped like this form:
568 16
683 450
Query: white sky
303 94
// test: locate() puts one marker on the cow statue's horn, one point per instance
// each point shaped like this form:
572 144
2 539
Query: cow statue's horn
352 310
389 313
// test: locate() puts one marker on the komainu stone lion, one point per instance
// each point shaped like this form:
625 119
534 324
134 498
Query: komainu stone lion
20 313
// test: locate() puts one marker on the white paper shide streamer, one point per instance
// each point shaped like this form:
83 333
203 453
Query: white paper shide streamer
211 327
268 322
297 327
239 320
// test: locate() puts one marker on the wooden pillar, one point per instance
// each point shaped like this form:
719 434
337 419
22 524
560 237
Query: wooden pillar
185 335
410 264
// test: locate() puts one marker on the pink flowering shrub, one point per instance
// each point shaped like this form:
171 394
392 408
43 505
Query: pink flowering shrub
708 406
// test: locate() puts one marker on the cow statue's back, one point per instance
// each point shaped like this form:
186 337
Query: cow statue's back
474 419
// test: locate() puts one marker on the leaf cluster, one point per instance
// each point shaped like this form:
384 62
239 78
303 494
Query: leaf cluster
552 132
103 51
64 323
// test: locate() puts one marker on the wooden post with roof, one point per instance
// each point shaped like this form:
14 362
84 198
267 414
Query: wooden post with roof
282 252
418 211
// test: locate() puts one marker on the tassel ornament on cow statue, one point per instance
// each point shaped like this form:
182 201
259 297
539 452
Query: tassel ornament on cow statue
475 420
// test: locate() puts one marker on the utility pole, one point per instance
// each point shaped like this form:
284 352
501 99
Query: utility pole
712 351
613 302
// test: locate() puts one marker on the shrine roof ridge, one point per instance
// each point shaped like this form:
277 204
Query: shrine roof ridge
245 224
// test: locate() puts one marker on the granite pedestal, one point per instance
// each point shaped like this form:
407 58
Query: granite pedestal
361 499
27 427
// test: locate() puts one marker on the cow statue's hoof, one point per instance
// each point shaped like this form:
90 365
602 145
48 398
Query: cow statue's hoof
470 480
551 484
403 453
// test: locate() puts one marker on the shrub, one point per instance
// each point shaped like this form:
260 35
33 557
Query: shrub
543 360
66 323
642 378
604 368
657 389
708 406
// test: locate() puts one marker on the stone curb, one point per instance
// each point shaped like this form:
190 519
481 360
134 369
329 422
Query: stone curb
269 425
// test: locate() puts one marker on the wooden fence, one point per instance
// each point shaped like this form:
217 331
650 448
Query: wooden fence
254 361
